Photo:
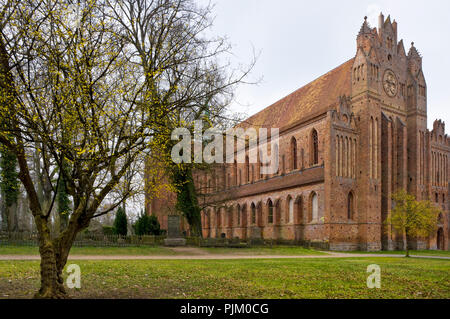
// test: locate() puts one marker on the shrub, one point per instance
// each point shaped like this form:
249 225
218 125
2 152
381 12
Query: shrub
147 225
108 230
120 223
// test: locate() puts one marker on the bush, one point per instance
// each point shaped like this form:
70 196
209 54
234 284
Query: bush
121 223
155 227
147 225
108 230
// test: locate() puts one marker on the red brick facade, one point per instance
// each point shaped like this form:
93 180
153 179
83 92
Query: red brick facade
348 140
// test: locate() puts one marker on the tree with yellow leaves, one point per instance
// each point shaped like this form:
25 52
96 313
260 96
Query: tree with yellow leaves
412 218
94 94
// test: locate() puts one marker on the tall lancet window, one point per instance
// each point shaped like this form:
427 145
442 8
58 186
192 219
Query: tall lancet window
350 206
294 160
314 148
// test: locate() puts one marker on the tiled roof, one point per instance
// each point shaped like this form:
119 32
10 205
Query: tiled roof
313 99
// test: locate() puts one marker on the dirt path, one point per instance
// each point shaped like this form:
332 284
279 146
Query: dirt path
188 250
203 255
343 255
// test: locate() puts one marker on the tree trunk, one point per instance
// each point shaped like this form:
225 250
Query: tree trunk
405 243
9 218
11 212
54 254
4 226
52 283
196 227
187 201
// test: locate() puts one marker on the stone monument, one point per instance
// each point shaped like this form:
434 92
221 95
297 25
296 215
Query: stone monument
174 237
256 236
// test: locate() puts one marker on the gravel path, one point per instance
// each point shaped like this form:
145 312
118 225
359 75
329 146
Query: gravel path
211 256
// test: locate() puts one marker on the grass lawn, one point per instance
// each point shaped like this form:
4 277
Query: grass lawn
275 250
132 250
443 253
256 278
161 250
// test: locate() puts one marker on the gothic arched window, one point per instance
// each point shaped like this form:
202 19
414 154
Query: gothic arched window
277 158
294 153
238 215
218 219
230 217
260 166
253 209
350 206
299 210
235 173
270 212
314 148
314 207
290 210
247 169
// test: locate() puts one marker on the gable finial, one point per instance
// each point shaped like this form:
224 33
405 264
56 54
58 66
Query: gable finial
365 28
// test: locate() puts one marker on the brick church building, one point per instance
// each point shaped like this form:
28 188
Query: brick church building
347 141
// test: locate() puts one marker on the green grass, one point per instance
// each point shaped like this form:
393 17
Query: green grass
165 251
160 250
275 250
257 278
443 253
132 250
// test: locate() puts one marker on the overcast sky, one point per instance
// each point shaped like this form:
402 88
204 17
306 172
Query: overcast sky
299 41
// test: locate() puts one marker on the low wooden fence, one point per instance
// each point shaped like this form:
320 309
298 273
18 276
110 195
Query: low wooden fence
239 243
84 239
100 240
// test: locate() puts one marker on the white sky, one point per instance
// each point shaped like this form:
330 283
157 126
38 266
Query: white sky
299 41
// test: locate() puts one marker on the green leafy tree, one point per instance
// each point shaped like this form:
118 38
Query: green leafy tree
412 218
121 222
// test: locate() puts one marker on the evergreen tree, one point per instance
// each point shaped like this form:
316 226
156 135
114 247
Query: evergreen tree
121 223
155 227
147 225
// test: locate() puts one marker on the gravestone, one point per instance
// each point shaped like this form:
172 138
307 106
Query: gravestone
255 232
256 236
174 237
